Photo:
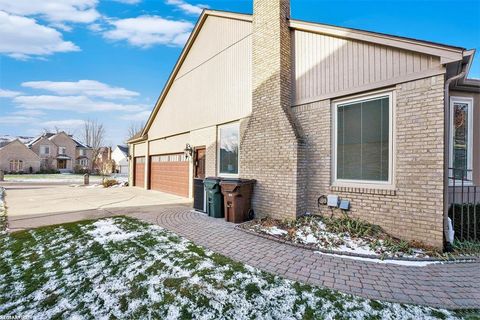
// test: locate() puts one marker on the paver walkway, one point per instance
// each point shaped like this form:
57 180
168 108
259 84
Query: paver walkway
451 285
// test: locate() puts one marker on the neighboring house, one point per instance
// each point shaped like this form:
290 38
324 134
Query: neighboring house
309 109
15 157
103 158
120 156
60 151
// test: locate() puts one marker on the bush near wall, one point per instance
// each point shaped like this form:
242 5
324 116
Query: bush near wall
466 221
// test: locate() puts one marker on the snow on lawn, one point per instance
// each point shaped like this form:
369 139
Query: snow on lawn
124 268
50 178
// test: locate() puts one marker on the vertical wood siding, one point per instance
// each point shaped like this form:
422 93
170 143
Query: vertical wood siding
214 82
326 64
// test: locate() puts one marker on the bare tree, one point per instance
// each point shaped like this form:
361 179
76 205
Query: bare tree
134 128
93 134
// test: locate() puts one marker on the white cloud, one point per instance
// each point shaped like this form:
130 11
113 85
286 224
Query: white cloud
146 31
11 120
90 88
77 11
64 124
28 113
8 93
80 104
187 7
139 116
22 38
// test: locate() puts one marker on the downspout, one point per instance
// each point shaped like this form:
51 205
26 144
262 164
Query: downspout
446 142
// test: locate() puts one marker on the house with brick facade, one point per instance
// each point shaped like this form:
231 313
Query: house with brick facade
16 157
47 152
309 109
61 152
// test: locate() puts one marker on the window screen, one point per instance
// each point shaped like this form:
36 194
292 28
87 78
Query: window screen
363 140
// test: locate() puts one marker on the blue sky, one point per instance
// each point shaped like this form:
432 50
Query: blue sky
64 61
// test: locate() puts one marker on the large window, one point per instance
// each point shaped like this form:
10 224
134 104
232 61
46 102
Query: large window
363 140
16 165
228 145
62 150
461 139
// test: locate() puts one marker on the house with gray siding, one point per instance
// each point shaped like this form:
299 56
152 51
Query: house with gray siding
309 109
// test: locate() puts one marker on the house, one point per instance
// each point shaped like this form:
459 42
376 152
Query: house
309 109
102 160
120 156
60 151
15 157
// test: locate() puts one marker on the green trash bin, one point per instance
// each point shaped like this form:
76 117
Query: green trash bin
214 197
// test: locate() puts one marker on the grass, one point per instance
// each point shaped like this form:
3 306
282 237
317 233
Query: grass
124 268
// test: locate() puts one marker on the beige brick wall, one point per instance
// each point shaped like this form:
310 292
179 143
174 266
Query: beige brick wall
18 151
269 147
414 210
63 140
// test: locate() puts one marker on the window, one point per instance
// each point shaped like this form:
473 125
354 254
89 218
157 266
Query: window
83 162
44 150
363 140
62 150
16 165
81 152
228 147
461 138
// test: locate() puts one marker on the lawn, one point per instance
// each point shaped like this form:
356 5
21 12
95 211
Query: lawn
124 268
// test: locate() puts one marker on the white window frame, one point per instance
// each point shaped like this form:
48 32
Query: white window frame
42 148
219 127
81 152
469 102
59 150
389 184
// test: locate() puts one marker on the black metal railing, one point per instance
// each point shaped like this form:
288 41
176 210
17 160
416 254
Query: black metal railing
464 205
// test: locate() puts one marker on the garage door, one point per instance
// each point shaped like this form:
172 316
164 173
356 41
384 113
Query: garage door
169 173
139 171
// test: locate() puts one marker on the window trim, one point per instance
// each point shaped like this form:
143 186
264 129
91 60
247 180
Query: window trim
390 183
44 153
228 175
469 102
64 148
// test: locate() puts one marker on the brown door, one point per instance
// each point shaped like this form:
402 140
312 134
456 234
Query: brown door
169 173
139 171
199 163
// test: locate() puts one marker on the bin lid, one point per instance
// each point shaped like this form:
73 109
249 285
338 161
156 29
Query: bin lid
237 181
213 179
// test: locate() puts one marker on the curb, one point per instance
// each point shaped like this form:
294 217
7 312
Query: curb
459 260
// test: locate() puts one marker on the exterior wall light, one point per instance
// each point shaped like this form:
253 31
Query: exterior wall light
188 151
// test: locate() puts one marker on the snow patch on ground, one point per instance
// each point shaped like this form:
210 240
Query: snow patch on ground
314 232
275 231
107 231
386 261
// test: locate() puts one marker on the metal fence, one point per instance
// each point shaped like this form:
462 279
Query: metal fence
464 205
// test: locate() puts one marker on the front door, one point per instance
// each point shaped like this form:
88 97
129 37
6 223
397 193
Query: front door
199 172
62 164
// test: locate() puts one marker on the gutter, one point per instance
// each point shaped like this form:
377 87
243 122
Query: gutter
446 142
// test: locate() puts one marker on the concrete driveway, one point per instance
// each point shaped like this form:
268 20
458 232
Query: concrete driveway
31 205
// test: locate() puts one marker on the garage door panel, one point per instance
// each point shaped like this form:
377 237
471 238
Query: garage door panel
170 173
139 172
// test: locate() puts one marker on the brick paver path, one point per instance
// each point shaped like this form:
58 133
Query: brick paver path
451 285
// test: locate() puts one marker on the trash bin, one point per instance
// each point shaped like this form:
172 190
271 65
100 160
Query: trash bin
198 195
214 197
237 197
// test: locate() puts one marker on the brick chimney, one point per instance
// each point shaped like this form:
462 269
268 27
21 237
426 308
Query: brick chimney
271 147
